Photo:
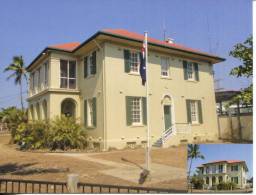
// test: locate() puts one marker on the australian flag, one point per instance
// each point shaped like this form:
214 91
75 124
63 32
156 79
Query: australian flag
143 64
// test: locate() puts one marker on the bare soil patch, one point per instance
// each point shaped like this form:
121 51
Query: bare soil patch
40 166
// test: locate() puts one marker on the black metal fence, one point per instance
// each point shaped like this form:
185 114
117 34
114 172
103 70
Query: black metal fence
34 186
31 186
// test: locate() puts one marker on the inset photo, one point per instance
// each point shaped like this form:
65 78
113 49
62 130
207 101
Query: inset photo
220 168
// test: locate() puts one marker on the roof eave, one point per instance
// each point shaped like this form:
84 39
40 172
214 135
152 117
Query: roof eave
42 53
218 59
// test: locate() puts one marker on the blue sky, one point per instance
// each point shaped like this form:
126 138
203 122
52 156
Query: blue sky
213 152
28 26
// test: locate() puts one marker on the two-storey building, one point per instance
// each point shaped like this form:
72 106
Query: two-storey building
216 172
98 83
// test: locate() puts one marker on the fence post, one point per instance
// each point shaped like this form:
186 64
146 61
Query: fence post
72 183
230 123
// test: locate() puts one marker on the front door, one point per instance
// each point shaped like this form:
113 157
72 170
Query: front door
167 116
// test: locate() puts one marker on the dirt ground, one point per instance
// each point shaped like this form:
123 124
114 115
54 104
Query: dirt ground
42 166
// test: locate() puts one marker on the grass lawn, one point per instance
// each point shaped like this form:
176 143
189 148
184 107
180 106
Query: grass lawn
103 168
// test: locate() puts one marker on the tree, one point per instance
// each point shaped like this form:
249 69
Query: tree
193 153
197 182
13 117
18 70
243 52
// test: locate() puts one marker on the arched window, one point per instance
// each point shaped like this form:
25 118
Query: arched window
68 107
213 180
207 180
220 179
167 100
44 105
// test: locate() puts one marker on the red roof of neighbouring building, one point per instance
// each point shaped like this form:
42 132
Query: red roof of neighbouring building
227 161
66 46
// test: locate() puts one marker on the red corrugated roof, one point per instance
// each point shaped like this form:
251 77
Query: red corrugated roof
133 35
227 161
73 46
66 46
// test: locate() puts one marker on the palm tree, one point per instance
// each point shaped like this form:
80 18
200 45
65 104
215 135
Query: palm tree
18 70
193 153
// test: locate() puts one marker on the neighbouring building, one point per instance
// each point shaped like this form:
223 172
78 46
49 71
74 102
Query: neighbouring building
223 99
224 171
98 83
235 121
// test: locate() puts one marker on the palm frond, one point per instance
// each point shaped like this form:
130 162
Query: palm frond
11 75
12 67
18 60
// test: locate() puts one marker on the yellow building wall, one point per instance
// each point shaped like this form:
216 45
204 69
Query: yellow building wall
120 84
92 87
111 85
86 88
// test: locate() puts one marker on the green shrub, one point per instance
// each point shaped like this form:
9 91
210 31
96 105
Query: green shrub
64 133
31 135
61 133
13 117
197 182
226 186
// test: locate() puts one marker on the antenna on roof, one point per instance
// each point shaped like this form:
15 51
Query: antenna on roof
213 47
164 29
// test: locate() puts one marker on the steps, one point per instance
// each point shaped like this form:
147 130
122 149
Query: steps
158 143
166 135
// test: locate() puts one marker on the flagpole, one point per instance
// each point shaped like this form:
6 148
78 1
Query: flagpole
148 159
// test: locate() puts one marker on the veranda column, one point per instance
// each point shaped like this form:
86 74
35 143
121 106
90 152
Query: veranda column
210 180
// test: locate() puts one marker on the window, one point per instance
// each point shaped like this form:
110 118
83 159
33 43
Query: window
213 169
220 168
164 66
190 71
90 64
194 111
33 81
67 74
39 79
136 111
131 61
207 170
234 180
234 168
46 73
89 113
134 62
